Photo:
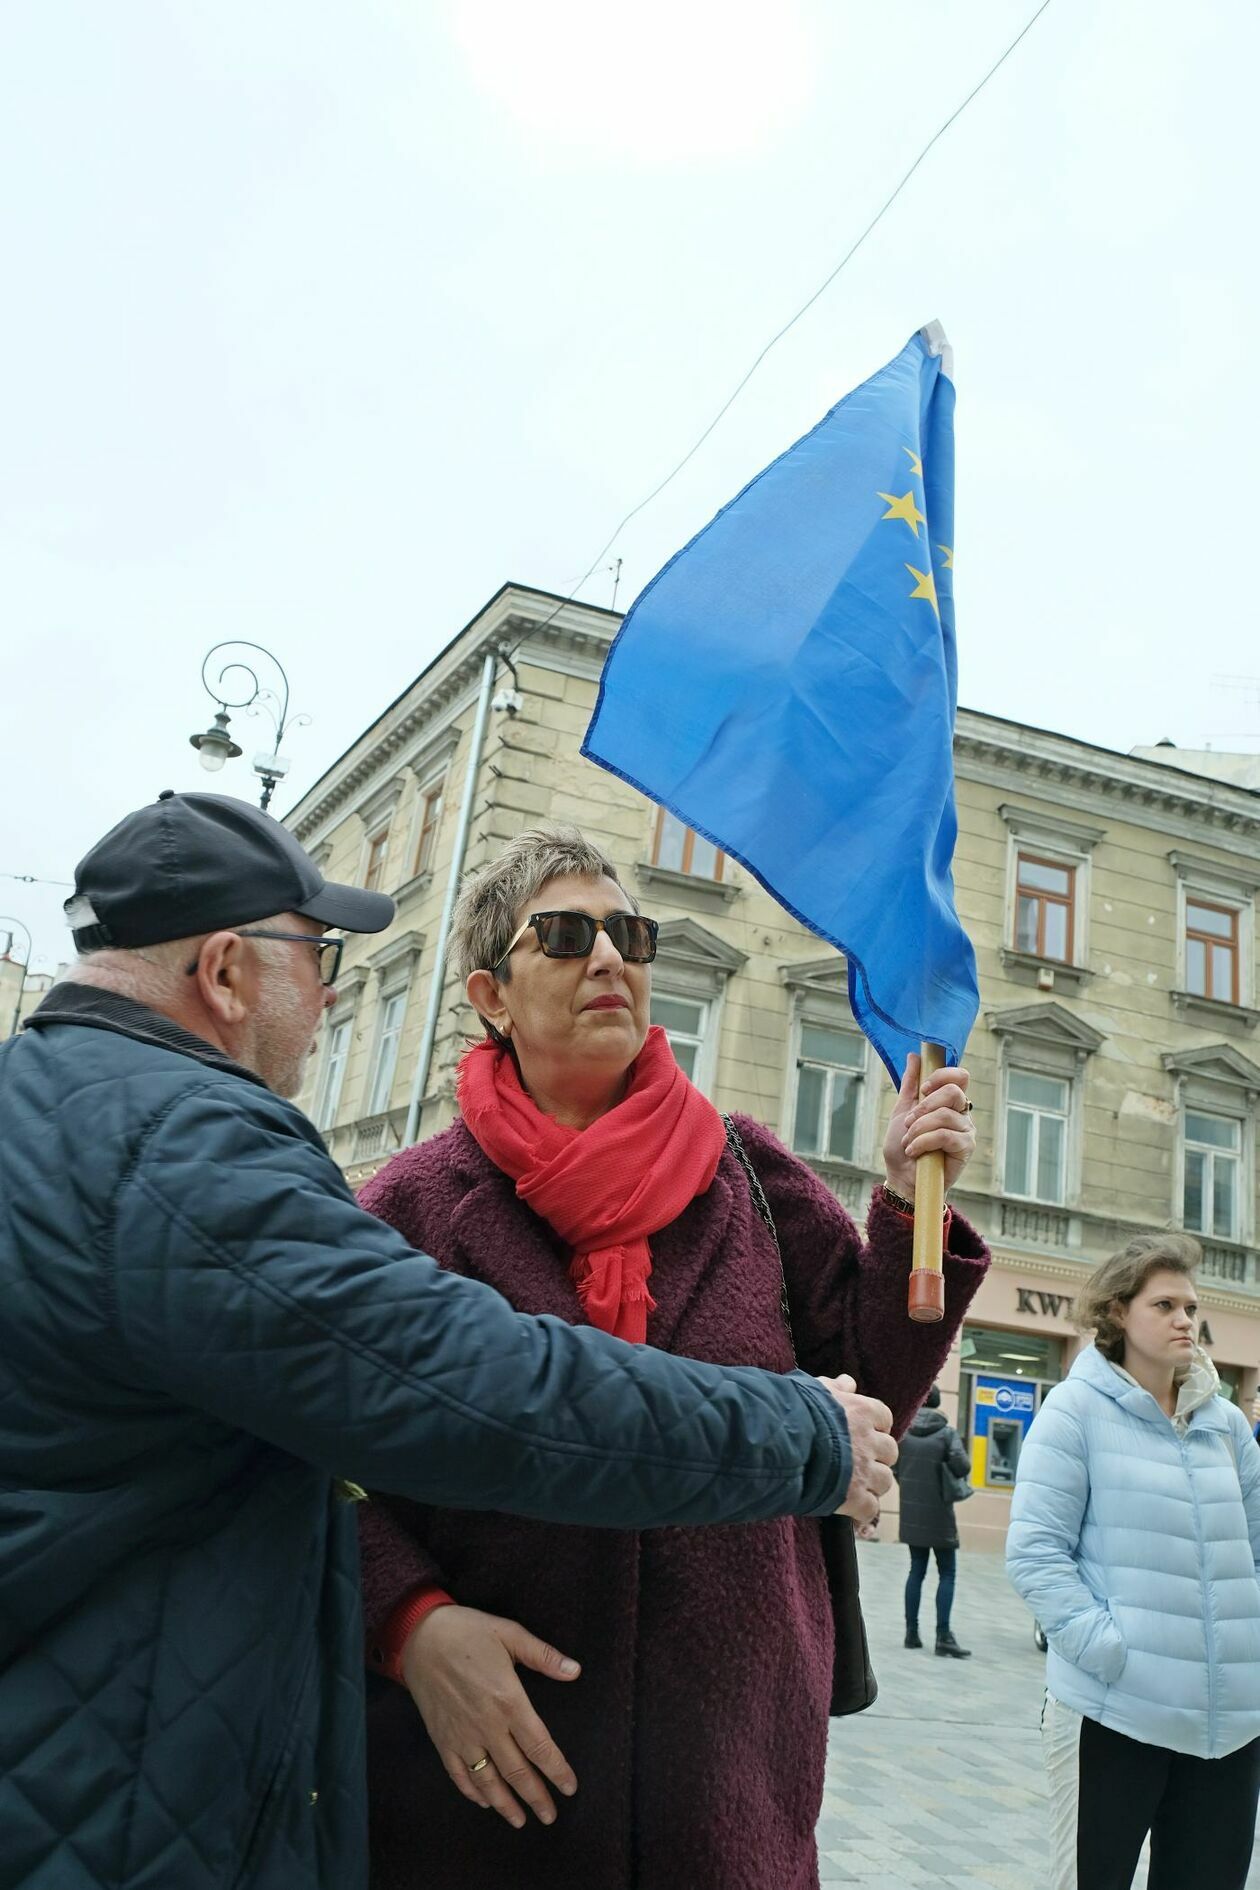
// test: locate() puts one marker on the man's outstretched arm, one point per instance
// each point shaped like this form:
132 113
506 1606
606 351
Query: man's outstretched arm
274 1302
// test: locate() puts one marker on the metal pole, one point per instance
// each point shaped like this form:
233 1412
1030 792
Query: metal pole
425 1058
17 1008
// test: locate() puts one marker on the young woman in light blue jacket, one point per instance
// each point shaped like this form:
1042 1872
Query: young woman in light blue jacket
1135 1540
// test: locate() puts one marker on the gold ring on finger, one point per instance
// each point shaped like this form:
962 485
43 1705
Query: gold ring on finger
481 1764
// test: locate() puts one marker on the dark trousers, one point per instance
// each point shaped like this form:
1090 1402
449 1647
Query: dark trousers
945 1562
1201 1814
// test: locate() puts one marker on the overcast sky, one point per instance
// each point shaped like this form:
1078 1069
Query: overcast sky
320 321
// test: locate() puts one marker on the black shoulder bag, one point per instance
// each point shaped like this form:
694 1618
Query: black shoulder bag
853 1686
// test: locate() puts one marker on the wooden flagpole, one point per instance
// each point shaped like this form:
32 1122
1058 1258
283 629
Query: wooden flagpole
927 1280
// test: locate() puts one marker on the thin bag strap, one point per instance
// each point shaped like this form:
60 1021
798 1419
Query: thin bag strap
762 1206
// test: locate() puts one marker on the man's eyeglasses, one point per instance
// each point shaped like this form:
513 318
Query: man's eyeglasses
328 949
572 935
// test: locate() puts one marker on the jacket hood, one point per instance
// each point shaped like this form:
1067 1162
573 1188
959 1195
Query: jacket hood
925 1422
1197 1390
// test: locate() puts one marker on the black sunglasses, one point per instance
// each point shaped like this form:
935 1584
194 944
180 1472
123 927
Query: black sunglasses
328 949
572 935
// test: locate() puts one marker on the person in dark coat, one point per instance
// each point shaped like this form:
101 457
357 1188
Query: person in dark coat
202 1334
589 1180
928 1523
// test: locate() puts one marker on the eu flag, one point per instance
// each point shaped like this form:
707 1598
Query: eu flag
787 684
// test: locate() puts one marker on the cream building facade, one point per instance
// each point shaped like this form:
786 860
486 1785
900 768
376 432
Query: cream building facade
21 991
1115 1063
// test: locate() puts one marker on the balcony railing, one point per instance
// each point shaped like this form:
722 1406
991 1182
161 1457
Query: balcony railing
374 1136
1046 1226
1232 1265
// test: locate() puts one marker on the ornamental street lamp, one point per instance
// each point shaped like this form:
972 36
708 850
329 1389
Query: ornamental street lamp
5 920
215 745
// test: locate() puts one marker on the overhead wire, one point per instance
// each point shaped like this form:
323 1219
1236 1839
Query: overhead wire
787 327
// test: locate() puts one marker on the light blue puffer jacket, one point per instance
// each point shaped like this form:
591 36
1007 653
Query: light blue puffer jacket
1138 1550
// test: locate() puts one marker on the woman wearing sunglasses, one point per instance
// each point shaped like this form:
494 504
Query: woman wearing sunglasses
601 1709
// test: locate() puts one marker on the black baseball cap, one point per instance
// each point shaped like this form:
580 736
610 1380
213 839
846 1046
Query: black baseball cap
193 863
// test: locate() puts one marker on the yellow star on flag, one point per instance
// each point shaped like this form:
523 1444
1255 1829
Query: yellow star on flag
926 587
948 553
904 508
916 464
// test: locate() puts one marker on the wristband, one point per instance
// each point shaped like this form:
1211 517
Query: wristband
900 1206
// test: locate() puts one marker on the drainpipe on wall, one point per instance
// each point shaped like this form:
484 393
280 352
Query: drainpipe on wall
425 1058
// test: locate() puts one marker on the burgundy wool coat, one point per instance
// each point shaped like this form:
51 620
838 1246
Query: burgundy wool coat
698 1728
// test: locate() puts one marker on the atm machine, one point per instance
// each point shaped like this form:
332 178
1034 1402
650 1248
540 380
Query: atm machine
1001 1411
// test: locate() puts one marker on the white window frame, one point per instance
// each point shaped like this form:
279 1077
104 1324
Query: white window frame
858 1073
1217 1080
377 1104
1238 1157
1201 883
1015 1067
332 1082
349 987
704 1039
818 991
1044 1040
695 964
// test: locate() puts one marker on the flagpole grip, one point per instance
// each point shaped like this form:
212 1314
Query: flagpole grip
927 1278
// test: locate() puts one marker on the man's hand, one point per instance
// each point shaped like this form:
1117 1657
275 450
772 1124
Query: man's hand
871 1442
460 1668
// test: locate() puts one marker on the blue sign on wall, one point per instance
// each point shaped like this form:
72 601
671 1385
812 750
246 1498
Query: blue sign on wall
1001 1411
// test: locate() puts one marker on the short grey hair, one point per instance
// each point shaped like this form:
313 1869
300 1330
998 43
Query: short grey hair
490 898
156 974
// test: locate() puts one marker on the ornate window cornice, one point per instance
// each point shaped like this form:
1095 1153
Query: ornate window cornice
1048 1026
1048 828
1216 1064
393 961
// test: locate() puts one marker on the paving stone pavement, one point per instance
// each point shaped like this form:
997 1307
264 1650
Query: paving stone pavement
940 1782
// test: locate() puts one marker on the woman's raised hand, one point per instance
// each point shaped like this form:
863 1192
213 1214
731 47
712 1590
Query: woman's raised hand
942 1119
460 1668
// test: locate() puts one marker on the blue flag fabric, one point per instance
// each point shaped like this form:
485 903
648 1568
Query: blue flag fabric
787 685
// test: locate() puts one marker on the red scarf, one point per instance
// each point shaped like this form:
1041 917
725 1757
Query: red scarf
607 1187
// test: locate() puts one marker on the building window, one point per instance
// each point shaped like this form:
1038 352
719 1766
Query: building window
1213 1163
1036 1135
1012 1354
431 802
1211 951
679 849
386 1059
828 1085
333 1074
374 864
1044 898
684 1021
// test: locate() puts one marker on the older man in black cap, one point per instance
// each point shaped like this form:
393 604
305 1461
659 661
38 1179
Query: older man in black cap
202 1331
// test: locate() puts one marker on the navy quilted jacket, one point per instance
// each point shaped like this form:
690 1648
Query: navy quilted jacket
200 1331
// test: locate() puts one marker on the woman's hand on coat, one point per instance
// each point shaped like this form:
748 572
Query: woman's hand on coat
941 1120
460 1668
